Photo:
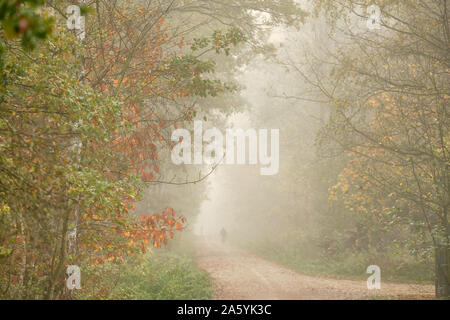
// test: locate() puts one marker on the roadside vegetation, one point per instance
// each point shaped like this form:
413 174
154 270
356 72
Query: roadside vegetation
169 273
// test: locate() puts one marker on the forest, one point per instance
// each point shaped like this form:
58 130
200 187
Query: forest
120 178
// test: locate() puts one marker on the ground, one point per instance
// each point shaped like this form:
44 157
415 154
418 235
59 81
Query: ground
237 274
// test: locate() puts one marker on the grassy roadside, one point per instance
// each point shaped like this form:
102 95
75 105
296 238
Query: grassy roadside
167 274
346 265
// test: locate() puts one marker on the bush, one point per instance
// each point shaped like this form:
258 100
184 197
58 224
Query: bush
167 273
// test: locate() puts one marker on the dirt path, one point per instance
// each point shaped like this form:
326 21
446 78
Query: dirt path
237 274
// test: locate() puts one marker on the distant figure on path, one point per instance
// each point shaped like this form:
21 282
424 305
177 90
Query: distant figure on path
223 235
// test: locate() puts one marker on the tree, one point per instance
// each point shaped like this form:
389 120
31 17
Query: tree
389 97
62 204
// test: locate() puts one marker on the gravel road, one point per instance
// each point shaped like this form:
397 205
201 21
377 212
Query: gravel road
237 274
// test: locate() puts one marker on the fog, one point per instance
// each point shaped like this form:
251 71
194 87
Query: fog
116 163
266 83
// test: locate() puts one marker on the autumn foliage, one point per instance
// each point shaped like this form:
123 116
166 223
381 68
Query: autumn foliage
82 129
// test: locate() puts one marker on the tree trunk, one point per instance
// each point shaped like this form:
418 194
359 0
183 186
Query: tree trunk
61 260
442 259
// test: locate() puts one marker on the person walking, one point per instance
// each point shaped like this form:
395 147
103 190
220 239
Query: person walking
223 235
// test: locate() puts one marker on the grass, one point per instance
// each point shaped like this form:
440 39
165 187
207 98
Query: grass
167 274
164 276
161 274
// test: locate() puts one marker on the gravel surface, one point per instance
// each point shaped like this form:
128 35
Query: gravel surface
237 274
